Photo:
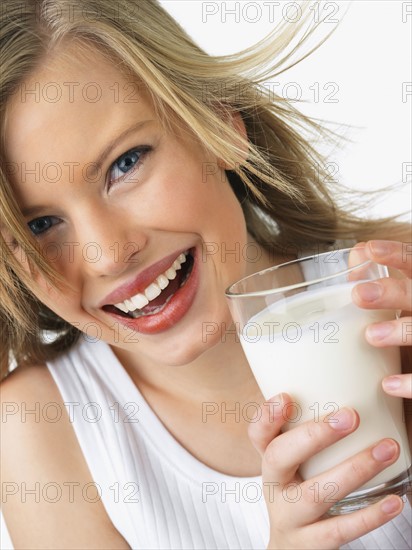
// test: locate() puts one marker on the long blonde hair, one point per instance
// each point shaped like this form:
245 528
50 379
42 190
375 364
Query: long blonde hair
285 201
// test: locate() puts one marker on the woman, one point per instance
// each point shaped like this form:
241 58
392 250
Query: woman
132 173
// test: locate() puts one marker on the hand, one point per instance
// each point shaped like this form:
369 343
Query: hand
297 508
394 292
390 293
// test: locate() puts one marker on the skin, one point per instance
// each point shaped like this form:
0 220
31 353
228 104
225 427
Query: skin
150 209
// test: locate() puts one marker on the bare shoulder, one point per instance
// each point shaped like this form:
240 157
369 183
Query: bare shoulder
29 380
44 471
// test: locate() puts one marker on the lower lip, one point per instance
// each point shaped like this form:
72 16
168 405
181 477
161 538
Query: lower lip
177 307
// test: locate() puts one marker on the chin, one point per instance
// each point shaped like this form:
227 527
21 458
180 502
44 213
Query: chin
187 348
183 354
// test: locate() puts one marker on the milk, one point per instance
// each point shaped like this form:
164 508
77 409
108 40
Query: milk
312 346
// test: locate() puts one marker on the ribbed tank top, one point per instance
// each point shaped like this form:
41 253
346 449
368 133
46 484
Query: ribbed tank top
158 495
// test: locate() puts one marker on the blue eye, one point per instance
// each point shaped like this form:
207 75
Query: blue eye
127 162
43 224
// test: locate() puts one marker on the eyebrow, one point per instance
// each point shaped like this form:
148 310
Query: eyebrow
96 166
33 210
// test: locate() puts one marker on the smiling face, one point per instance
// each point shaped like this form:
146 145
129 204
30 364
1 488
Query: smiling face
114 200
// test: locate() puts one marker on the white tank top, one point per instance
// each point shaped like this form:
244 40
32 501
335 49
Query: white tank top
157 495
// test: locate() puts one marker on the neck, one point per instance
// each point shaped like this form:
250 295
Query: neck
220 373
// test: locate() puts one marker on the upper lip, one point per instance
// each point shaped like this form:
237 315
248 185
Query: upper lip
142 281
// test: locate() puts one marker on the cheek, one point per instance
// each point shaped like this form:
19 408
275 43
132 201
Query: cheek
203 202
59 301
55 299
226 233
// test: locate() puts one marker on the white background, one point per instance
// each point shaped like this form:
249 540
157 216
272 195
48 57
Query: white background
368 58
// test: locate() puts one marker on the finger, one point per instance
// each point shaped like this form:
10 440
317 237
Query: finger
270 422
387 293
400 385
390 333
347 477
357 257
287 452
339 530
391 253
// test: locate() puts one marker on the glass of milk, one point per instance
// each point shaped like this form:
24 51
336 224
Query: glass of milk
303 335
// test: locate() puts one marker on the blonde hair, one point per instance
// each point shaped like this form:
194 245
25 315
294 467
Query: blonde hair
284 199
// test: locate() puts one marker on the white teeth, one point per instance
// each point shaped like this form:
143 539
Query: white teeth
170 273
152 291
129 304
122 307
162 281
139 301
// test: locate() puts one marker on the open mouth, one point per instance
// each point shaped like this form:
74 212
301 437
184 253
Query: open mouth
167 283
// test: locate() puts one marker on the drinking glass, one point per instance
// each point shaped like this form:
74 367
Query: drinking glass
303 335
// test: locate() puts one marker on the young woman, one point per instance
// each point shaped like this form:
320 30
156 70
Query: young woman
134 175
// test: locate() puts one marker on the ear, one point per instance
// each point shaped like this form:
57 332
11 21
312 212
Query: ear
239 127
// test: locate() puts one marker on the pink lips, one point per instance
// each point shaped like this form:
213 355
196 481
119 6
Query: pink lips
141 282
174 311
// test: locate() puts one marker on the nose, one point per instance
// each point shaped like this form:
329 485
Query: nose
109 243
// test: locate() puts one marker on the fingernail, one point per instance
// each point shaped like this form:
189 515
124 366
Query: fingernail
380 248
275 406
390 505
385 450
342 420
392 383
277 400
379 331
370 291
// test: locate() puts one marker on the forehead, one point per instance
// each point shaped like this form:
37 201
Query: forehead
74 100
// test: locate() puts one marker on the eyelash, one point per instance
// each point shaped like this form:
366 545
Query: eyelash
32 223
142 151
